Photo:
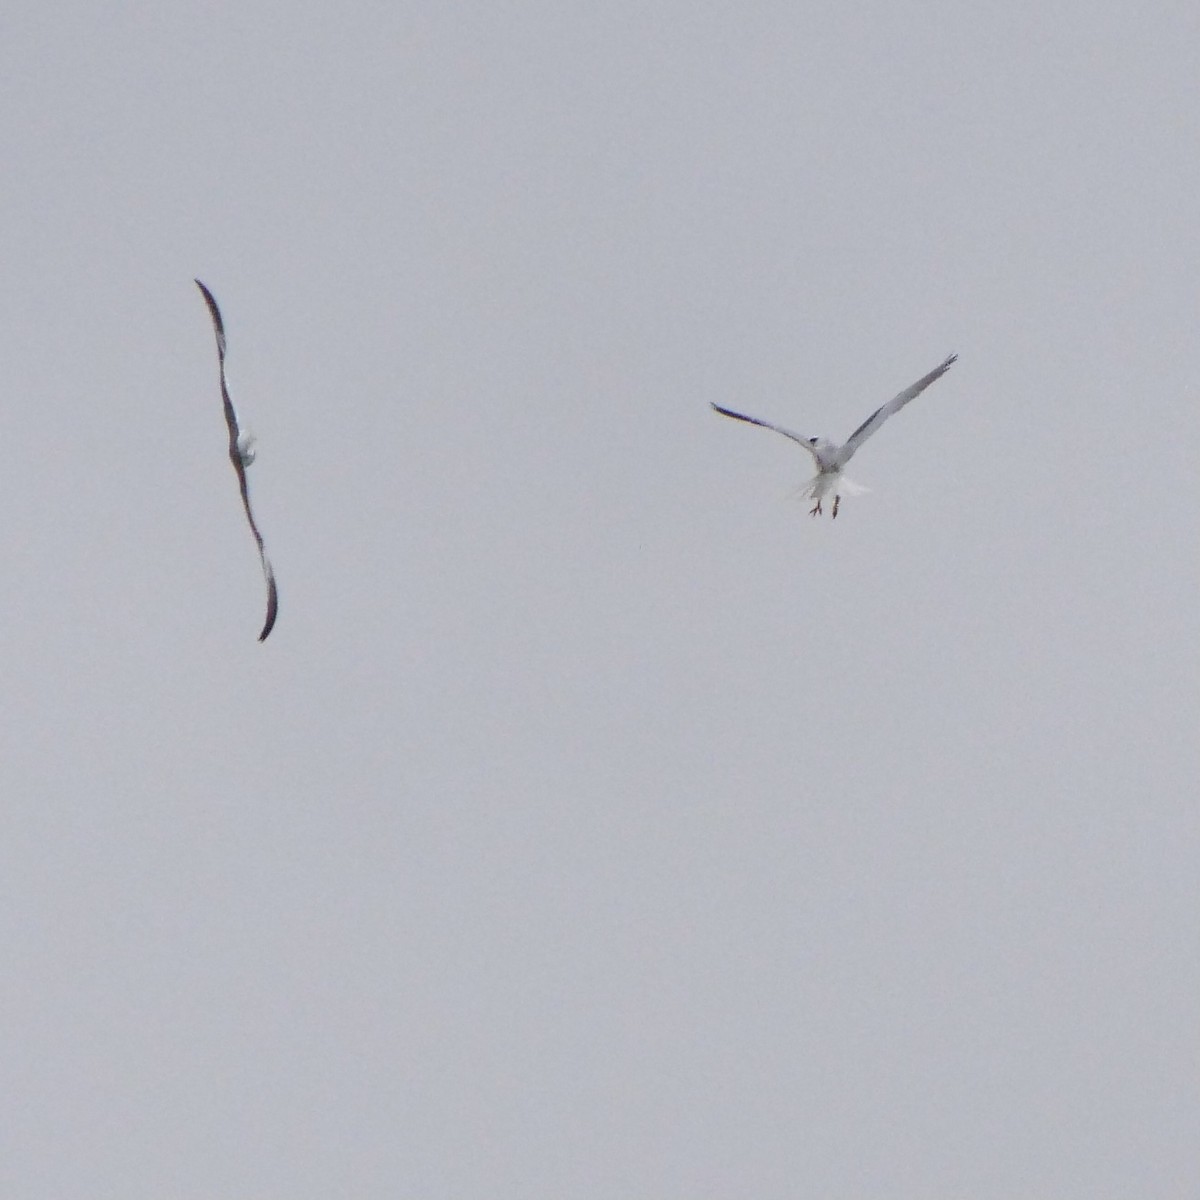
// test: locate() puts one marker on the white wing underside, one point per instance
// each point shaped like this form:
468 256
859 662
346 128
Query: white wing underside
829 457
809 444
894 405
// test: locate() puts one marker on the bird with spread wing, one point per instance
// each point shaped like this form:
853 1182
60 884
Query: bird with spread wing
830 458
241 454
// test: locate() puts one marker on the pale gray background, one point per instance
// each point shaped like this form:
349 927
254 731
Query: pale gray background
594 824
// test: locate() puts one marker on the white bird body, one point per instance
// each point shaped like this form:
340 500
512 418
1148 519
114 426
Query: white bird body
831 458
245 447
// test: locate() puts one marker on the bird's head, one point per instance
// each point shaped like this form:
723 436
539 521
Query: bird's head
824 451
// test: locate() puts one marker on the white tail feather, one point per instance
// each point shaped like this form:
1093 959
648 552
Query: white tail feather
825 484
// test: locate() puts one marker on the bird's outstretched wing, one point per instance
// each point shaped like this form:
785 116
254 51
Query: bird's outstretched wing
894 405
268 570
239 465
231 420
272 596
808 443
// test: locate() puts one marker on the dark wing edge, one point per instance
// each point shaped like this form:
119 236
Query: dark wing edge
215 312
272 599
231 421
268 570
240 467
787 433
896 403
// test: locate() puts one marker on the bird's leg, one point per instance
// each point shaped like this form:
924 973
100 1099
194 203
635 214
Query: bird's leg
815 511
836 501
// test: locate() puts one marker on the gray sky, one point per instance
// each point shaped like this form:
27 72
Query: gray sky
594 824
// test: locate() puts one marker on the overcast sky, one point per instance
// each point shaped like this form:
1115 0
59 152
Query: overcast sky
594 823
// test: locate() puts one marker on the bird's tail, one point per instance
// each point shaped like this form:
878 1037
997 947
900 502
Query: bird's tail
812 489
820 486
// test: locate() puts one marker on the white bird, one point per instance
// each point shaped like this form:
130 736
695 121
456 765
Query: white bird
830 457
241 454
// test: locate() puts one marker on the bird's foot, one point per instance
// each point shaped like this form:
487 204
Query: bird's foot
836 501
815 511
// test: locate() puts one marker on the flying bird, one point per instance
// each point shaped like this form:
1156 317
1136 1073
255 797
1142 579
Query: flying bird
241 454
830 457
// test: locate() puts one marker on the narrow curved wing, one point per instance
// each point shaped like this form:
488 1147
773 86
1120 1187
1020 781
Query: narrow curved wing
807 443
894 405
272 598
239 466
231 420
268 570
